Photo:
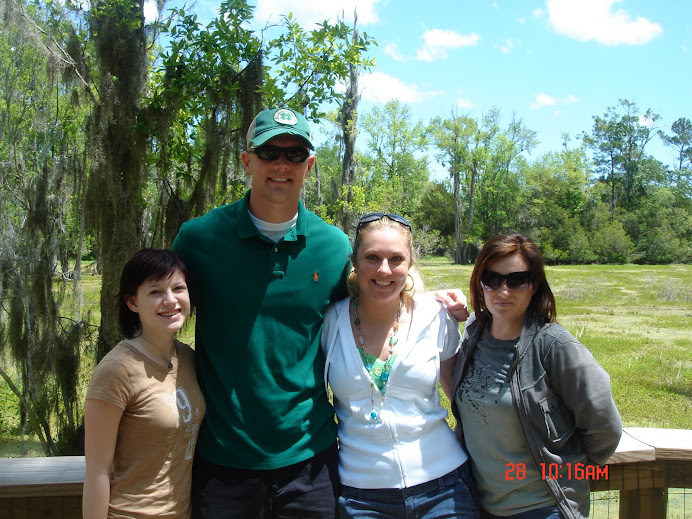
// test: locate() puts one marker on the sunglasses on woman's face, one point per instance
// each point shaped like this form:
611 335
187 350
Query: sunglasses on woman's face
491 280
373 217
292 154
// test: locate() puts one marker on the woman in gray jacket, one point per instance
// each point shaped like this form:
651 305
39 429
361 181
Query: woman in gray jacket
534 408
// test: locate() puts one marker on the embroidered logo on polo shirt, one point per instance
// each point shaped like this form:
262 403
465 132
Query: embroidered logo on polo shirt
284 116
316 277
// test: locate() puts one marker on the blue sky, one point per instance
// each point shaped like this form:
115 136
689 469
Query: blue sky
553 63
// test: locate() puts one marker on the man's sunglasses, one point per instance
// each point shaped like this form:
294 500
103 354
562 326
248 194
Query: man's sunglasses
373 217
292 154
518 281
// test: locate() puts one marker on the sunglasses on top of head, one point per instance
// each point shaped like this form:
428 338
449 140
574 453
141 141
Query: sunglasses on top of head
271 152
373 217
491 280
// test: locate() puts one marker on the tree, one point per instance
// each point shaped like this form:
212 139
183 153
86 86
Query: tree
107 140
348 119
555 197
41 165
481 158
662 233
638 132
501 185
463 146
212 82
619 143
396 171
681 142
119 145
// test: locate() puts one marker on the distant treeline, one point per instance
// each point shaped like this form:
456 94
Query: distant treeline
599 199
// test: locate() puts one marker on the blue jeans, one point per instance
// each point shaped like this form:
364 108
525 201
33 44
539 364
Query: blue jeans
451 496
547 512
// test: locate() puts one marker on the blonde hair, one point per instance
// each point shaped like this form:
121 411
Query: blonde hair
414 282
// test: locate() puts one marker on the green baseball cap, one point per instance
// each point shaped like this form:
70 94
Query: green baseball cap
278 121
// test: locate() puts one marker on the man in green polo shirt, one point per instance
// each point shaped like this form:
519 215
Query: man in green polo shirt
262 271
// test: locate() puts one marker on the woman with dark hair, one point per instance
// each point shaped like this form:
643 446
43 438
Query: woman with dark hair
534 408
388 348
144 405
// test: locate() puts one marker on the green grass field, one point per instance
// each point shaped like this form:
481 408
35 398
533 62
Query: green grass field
637 322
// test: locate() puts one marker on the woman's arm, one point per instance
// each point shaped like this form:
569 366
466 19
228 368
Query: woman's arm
584 386
446 369
101 422
454 301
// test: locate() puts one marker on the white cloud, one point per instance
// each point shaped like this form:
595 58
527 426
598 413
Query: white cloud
151 11
436 42
379 87
465 104
587 20
309 12
391 51
646 122
542 100
508 45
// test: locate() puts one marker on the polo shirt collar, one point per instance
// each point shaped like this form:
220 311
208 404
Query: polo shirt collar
247 229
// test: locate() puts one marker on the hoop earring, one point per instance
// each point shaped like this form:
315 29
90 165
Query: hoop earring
413 284
353 276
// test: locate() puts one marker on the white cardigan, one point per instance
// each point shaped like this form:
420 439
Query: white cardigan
411 443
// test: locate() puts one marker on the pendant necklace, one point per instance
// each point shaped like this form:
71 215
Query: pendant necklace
169 363
384 377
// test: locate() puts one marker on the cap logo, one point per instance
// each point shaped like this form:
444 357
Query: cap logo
284 116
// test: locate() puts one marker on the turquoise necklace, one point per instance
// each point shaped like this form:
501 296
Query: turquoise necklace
384 377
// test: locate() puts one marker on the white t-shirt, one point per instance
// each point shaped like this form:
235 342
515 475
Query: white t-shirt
273 231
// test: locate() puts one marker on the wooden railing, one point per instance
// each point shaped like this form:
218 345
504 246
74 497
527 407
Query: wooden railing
646 464
50 488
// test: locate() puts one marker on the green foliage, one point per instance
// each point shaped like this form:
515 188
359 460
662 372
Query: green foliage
437 208
611 244
395 173
485 166
308 65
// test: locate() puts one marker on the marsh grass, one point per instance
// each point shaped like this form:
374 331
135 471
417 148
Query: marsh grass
635 319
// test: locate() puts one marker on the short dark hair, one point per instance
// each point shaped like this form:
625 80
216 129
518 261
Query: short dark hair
542 303
147 264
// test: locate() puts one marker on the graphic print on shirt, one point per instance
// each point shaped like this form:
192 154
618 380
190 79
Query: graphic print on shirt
179 403
482 388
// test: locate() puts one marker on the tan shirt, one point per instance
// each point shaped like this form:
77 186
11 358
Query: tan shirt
162 412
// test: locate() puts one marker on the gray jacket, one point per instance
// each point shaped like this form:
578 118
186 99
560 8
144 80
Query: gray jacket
565 407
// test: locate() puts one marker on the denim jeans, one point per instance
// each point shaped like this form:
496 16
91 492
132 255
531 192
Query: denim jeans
451 496
547 512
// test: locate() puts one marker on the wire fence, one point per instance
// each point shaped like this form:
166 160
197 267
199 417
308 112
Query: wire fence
606 504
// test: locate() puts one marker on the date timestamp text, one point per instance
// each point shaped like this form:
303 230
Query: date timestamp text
567 470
